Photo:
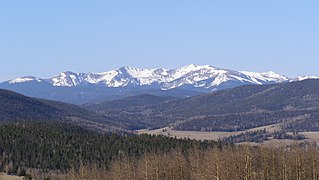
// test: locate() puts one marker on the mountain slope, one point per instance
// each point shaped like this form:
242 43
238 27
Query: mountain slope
185 81
293 95
293 104
131 102
15 106
59 146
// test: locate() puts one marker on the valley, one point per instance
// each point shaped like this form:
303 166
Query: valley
200 135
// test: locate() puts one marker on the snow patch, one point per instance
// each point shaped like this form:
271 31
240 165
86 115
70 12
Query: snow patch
24 79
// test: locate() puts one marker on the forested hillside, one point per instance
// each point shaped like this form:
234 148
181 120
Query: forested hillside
45 150
14 106
284 96
129 103
58 146
294 105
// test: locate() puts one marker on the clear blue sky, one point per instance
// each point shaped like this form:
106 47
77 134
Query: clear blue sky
43 38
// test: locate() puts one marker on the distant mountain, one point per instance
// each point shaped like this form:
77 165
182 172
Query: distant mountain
205 77
293 105
17 107
127 81
301 78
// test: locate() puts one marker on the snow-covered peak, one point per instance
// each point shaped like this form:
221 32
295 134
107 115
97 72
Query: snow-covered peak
273 75
70 79
137 73
25 79
194 67
195 76
265 77
189 67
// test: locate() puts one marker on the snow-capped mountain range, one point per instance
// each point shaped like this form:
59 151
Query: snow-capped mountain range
207 77
191 79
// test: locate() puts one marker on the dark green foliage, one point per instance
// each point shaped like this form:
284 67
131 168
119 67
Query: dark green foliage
309 122
284 135
259 136
56 145
238 122
254 136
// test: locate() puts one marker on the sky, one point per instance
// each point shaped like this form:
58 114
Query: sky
44 38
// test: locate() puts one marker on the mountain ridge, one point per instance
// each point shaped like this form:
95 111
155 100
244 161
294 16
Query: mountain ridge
17 107
190 80
205 76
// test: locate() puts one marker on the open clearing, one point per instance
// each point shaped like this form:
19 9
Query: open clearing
215 135
8 177
199 135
